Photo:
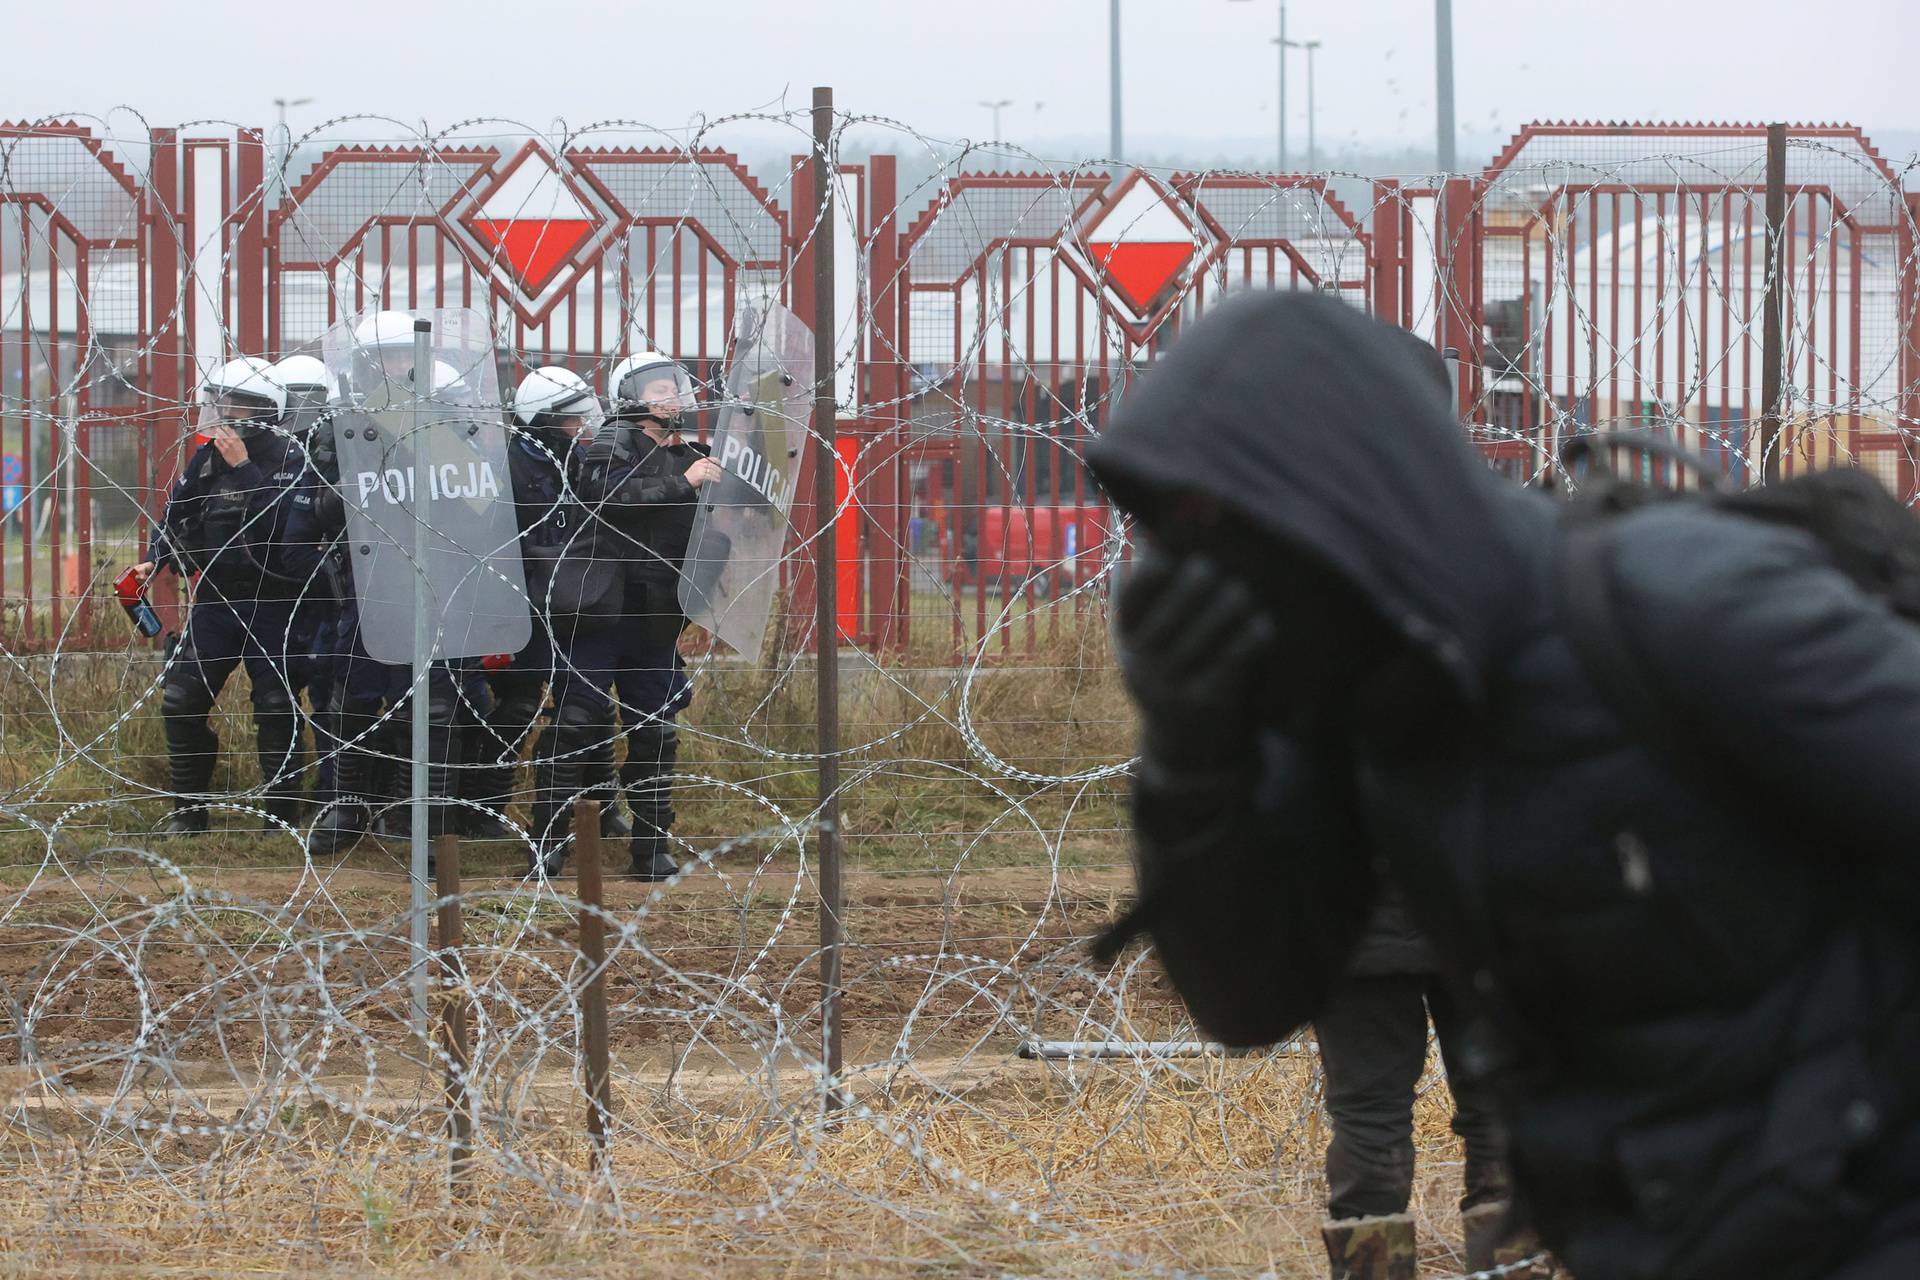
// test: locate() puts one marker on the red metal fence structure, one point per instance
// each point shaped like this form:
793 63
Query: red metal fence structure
1592 277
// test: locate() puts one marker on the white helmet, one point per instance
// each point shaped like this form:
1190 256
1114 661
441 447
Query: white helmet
556 390
299 373
242 394
385 329
382 353
632 389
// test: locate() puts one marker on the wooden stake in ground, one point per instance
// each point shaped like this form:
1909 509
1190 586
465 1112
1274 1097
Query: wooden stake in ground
453 1016
593 998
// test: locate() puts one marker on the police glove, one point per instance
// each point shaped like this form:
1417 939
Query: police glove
1192 641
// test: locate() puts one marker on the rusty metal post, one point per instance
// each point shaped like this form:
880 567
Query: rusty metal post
593 997
453 1013
1458 286
1771 357
250 245
889 603
826 578
1384 287
1908 420
161 437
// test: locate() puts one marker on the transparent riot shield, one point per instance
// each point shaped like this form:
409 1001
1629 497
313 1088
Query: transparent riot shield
437 457
760 440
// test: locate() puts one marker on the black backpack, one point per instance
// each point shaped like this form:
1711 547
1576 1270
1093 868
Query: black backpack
1873 539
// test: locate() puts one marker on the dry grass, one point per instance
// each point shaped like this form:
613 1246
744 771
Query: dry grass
975 872
1027 1169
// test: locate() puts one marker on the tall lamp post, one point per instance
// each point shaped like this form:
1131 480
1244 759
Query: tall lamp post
1313 156
1113 78
1281 44
995 108
1443 83
282 139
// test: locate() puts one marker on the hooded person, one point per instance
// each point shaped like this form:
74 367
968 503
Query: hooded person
1697 991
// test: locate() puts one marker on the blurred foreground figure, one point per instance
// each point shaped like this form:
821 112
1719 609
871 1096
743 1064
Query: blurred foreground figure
1682 921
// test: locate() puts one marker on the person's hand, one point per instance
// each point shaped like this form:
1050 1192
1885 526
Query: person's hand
703 471
143 572
231 446
1193 641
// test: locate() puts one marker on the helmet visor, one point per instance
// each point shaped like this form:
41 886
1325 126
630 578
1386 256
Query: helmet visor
579 417
663 390
221 406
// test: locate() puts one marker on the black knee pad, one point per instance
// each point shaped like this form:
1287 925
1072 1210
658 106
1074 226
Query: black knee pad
272 698
581 729
185 695
653 747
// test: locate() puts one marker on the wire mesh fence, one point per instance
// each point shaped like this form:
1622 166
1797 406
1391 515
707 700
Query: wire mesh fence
210 1053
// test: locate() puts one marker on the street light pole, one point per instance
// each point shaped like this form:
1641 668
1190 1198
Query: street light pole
1281 44
282 138
995 108
1113 77
1443 82
1313 156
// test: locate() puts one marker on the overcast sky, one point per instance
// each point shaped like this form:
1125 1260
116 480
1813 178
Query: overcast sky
1196 71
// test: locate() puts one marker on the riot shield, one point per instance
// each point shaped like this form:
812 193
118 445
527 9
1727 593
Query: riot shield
760 440
436 456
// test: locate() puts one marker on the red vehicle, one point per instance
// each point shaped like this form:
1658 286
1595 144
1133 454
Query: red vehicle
1058 548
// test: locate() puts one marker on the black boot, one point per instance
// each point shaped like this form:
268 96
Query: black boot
276 734
579 764
648 858
192 749
346 817
652 750
187 819
557 784
348 741
495 744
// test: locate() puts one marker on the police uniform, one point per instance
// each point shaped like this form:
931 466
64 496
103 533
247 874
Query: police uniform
366 729
254 549
622 672
549 518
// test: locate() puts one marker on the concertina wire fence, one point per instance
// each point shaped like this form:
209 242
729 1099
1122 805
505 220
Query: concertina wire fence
208 1059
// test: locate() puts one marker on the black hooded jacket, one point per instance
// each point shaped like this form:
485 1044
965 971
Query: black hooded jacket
1708 996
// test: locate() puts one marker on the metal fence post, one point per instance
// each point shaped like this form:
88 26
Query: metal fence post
454 1015
422 661
1384 291
888 602
1771 302
826 602
593 995
160 438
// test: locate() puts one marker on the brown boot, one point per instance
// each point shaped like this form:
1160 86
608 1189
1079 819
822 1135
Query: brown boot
1371 1248
1491 1241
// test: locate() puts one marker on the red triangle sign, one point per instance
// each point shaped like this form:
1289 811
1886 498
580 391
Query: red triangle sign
536 248
1140 271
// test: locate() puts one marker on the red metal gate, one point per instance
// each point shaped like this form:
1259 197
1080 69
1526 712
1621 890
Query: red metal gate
1592 277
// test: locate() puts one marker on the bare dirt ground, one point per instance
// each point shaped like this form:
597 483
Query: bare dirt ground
194 1107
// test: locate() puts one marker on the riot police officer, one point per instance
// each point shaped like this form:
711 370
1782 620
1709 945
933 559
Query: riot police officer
639 479
554 413
366 724
309 658
232 520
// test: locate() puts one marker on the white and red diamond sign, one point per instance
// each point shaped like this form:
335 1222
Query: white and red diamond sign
1144 244
530 222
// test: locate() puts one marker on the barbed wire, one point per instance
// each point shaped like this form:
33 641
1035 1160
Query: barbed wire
210 1042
